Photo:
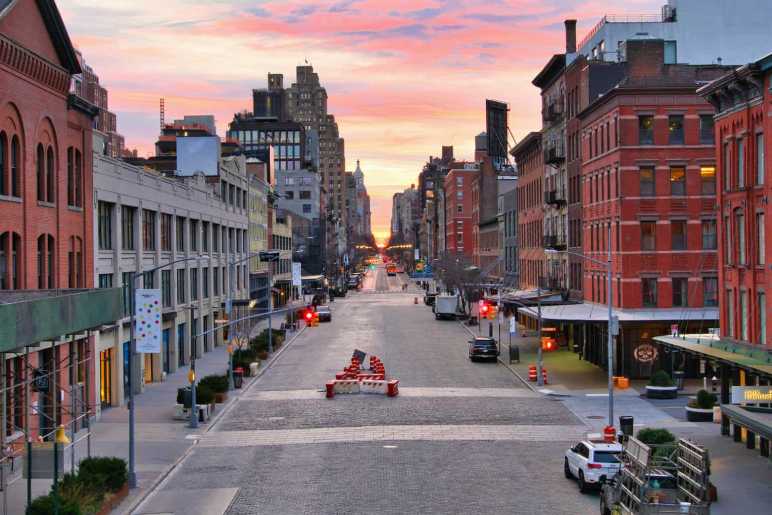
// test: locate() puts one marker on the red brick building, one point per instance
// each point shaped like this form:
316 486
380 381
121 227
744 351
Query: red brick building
459 209
46 212
648 183
742 99
530 213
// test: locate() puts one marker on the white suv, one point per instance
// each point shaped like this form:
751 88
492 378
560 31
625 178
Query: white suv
592 462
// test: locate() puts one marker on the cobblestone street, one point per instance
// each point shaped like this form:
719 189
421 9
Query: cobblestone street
462 437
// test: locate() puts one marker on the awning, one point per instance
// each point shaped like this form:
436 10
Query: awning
591 312
758 360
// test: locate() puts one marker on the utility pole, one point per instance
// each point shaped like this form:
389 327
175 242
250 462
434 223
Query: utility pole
610 343
539 357
192 372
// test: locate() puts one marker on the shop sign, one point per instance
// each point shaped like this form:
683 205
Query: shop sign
645 353
751 394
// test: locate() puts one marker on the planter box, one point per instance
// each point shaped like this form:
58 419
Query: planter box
661 392
699 414
219 398
113 500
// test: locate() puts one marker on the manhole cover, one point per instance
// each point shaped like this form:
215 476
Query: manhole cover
595 417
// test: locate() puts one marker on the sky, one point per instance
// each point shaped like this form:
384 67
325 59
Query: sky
403 77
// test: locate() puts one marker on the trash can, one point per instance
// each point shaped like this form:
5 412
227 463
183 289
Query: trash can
678 377
626 425
238 377
514 354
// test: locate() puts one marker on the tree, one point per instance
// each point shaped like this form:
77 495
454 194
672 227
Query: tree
458 275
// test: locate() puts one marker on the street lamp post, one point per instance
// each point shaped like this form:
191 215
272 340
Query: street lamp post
611 322
132 354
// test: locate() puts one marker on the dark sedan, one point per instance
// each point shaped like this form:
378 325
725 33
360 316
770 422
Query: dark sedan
324 313
483 348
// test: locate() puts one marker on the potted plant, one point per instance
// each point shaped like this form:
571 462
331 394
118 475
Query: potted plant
218 384
700 409
661 386
205 397
661 441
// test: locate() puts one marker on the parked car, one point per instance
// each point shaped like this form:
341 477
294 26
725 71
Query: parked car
324 313
592 463
483 347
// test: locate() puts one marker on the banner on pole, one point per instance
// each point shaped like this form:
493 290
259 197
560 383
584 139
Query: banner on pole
297 279
147 322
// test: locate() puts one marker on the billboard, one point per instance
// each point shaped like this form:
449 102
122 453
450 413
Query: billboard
198 154
496 130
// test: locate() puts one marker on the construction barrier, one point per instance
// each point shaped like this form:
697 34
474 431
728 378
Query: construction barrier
330 389
370 377
371 386
393 389
346 386
532 374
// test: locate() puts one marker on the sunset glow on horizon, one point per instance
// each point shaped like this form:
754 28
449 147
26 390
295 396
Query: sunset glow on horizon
403 77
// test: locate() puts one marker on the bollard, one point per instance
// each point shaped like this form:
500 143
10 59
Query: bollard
393 388
330 389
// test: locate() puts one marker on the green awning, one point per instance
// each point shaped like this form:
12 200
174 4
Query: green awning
758 360
31 316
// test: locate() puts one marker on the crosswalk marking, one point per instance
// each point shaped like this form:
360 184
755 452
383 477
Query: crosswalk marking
322 435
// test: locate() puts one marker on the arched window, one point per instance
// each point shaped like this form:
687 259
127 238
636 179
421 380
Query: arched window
41 173
78 179
46 261
3 164
10 259
70 177
15 174
50 183
75 263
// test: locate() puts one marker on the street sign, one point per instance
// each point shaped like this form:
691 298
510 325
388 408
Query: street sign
512 325
147 322
297 279
614 326
269 255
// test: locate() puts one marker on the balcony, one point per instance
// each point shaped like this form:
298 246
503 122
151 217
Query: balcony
555 198
553 113
554 154
554 242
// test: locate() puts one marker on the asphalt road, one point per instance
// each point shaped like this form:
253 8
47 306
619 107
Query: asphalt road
461 438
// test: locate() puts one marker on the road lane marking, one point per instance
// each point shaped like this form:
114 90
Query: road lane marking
433 433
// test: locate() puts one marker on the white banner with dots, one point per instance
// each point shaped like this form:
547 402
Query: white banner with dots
147 322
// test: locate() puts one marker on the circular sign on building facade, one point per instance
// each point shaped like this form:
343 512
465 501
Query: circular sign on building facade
645 353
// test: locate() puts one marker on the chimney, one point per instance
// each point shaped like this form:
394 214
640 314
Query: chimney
570 36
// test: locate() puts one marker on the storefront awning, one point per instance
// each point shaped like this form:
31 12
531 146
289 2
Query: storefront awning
590 312
758 422
758 360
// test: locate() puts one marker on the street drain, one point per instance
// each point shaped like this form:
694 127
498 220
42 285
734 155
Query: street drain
596 417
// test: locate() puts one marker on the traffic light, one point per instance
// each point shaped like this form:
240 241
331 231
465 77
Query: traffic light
548 344
484 308
492 312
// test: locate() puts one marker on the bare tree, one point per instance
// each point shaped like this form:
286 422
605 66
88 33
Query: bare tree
458 275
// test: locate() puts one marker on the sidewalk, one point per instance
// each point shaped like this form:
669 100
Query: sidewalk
160 441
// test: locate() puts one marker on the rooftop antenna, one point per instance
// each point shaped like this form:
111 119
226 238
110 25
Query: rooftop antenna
163 112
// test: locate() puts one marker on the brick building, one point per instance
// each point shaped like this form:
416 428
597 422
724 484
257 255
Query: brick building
530 214
459 206
742 128
46 222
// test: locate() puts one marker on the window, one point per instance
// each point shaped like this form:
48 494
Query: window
289 195
726 168
166 232
760 158
710 291
105 222
15 160
648 186
215 238
707 136
75 263
74 178
743 308
305 195
728 251
50 181
148 229
166 288
760 243
646 129
730 314
3 163
10 248
648 235
680 291
148 280
708 180
675 126
761 306
205 282
194 284
460 194
740 163
649 288
40 166
459 208
127 283
205 236
231 194
105 280
678 234
180 234
677 181
127 227
739 221
306 208
671 52
193 235
46 261
181 286
709 235
216 280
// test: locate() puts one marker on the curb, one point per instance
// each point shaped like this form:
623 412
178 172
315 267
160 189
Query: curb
164 475
512 370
